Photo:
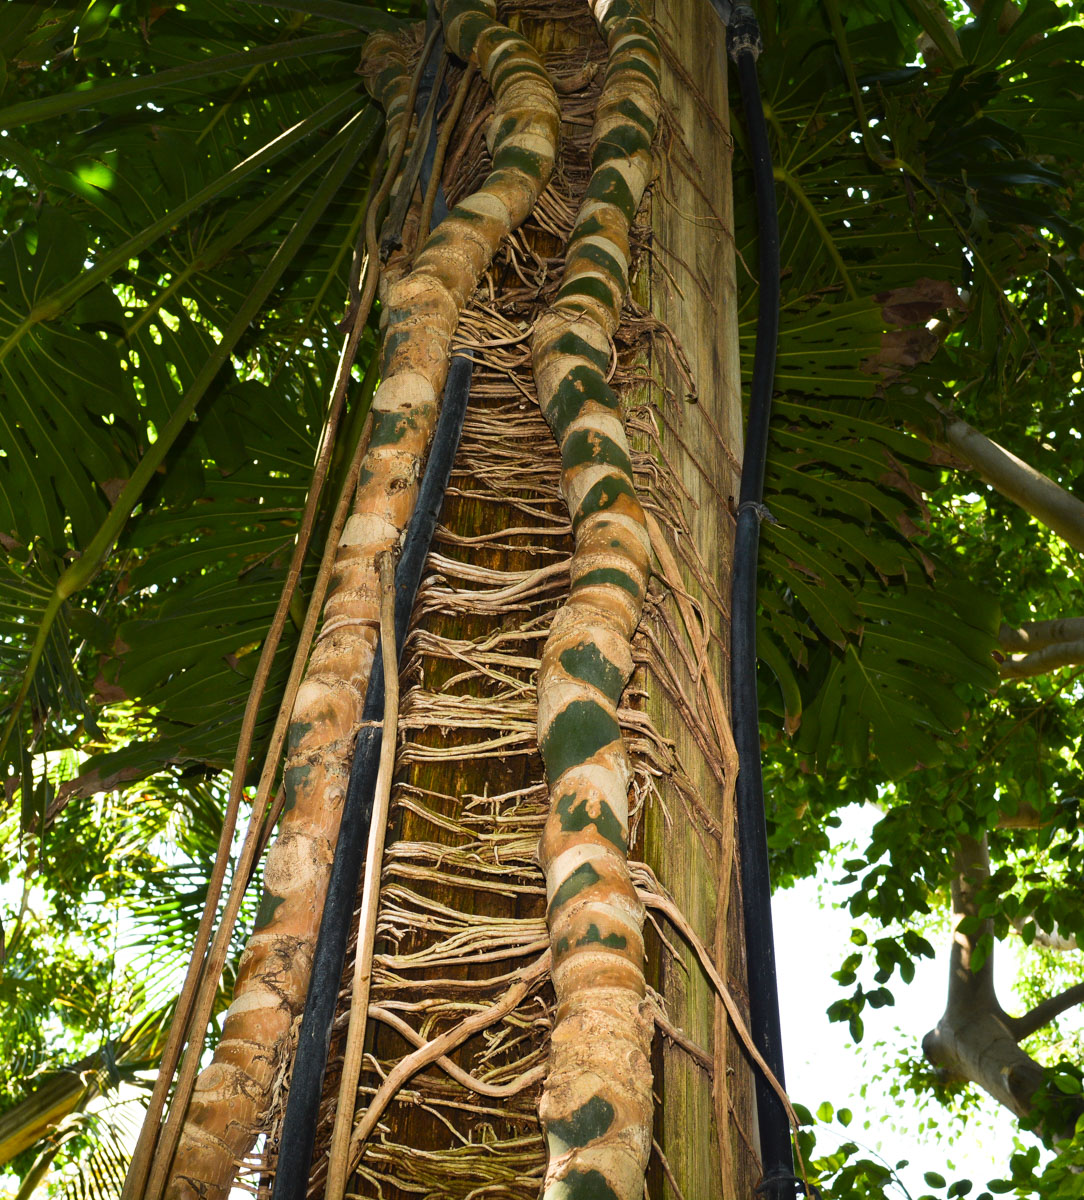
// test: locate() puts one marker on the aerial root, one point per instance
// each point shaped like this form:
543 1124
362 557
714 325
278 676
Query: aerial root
435 1049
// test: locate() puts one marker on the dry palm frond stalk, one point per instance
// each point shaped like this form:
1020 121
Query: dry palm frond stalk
462 906
232 1094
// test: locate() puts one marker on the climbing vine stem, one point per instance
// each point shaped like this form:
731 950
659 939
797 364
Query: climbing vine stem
596 1106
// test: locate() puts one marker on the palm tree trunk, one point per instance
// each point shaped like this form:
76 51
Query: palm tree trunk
463 901
461 1010
693 291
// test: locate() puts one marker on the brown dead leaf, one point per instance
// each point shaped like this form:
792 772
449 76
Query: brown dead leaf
112 488
919 302
106 691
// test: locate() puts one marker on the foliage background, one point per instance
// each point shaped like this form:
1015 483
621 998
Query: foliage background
179 219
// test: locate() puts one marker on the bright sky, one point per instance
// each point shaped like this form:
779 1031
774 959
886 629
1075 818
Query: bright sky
822 1063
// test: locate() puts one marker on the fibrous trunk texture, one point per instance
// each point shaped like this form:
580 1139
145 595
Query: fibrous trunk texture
596 1107
231 1095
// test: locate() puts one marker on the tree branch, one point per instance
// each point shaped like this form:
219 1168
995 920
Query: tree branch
1045 1011
47 1105
1034 635
975 1039
1017 481
1040 662
970 987
972 1040
1051 941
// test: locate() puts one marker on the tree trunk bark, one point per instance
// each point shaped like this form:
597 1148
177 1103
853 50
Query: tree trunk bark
693 290
972 1040
976 1040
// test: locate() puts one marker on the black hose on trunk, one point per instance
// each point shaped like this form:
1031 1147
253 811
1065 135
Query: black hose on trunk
779 1181
310 1064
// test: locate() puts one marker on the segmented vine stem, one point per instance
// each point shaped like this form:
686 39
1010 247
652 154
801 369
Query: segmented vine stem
422 312
374 858
596 1106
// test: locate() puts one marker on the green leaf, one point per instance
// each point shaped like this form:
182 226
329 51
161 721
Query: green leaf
772 657
61 385
179 77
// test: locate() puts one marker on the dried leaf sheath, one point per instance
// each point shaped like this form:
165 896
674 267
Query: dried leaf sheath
231 1094
596 1108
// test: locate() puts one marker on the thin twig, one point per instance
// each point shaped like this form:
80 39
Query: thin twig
672 1034
667 1170
446 132
359 260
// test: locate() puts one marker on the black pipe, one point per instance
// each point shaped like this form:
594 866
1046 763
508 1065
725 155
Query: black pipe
440 205
743 37
779 1181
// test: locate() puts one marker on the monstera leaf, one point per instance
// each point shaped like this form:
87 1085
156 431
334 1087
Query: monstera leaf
867 640
895 691
215 565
